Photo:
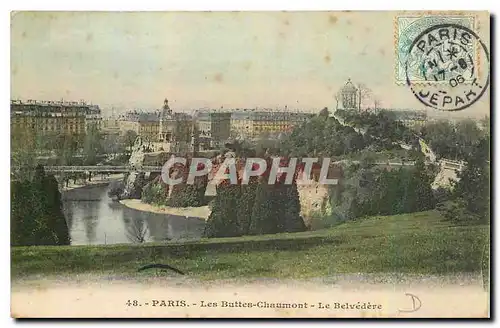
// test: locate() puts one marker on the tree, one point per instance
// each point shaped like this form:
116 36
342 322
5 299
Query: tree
25 147
223 221
112 144
24 212
485 124
371 190
399 191
421 184
138 185
337 97
66 155
324 112
474 184
453 141
246 204
67 151
288 203
364 93
129 139
264 213
187 195
321 136
36 212
137 230
56 222
468 135
92 145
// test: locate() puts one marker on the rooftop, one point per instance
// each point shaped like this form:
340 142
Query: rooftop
349 87
52 103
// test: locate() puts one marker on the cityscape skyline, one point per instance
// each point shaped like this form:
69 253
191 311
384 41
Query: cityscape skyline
202 60
115 112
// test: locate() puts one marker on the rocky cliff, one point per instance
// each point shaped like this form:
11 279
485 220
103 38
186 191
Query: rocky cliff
135 181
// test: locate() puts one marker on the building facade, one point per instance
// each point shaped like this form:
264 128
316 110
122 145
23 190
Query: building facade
53 117
220 127
167 124
412 119
175 131
110 125
249 123
145 124
93 118
213 128
242 123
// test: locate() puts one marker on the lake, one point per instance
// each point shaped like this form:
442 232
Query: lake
95 219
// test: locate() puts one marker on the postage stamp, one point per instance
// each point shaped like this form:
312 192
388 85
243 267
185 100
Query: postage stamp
409 26
445 53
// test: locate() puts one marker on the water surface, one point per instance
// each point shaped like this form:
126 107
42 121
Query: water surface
93 218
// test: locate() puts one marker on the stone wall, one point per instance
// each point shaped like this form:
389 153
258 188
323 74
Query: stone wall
314 200
448 173
315 197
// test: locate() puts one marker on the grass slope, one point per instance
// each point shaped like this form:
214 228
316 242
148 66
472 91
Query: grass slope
419 243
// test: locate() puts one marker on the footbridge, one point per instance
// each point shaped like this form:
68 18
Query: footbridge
126 169
101 169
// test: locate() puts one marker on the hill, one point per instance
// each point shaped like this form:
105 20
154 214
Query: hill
417 243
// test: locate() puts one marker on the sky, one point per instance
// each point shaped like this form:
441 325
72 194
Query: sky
201 59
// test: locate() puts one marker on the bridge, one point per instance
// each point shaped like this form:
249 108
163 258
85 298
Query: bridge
101 169
126 169
444 164
448 169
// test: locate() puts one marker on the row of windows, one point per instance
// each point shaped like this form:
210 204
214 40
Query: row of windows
277 128
52 126
274 124
54 129
35 119
262 128
45 115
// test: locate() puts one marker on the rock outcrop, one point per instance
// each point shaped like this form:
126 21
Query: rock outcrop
137 155
135 181
133 185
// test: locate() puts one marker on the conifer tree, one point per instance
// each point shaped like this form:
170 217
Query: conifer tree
36 213
246 204
223 221
264 213
186 195
56 222
23 214
474 184
424 197
287 201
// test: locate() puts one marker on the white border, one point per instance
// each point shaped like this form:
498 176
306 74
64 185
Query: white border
185 5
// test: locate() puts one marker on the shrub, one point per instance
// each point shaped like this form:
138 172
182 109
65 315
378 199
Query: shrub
222 221
36 212
457 212
154 193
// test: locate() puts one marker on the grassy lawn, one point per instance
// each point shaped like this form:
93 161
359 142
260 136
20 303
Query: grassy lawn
419 243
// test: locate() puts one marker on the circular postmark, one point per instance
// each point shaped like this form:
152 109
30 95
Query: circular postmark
447 57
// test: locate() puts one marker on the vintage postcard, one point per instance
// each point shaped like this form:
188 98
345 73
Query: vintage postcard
250 164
